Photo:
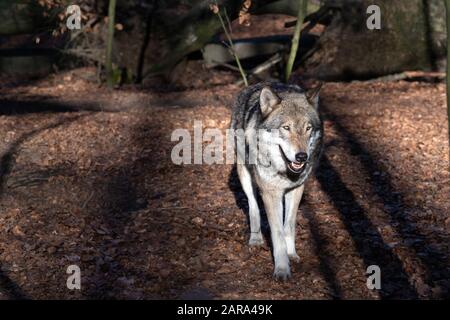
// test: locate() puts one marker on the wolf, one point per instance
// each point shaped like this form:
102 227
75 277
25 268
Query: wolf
284 160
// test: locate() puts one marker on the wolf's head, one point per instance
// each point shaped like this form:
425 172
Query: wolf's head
294 116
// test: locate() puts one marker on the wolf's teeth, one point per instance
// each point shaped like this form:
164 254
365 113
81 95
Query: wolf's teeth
296 166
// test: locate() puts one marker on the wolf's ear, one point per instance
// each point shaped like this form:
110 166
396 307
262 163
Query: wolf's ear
313 95
268 100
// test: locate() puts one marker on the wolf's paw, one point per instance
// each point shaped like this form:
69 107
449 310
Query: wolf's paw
256 240
282 274
294 257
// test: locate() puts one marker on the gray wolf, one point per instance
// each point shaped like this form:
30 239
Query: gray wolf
284 161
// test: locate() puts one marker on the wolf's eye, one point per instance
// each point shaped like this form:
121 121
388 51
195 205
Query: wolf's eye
286 128
308 128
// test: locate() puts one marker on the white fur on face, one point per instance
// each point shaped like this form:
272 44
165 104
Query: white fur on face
269 143
288 149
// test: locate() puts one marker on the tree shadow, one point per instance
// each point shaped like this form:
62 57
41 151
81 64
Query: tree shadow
7 157
120 202
367 239
6 166
394 205
42 105
12 290
325 267
123 196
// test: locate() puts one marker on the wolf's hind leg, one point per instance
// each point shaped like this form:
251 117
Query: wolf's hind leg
256 238
292 201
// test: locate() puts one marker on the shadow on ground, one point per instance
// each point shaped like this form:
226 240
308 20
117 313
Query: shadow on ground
43 105
392 202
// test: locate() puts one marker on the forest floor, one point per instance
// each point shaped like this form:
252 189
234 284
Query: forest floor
87 179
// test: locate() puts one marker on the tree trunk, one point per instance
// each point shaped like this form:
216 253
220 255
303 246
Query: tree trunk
348 49
447 5
109 43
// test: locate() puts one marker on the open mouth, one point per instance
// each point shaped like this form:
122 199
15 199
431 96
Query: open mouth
296 167
293 166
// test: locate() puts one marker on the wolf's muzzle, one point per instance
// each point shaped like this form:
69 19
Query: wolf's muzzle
297 166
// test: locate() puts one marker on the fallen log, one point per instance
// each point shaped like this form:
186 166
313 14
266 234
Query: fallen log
200 25
217 54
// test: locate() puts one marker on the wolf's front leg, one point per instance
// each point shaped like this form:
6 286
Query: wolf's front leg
292 201
256 238
273 202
